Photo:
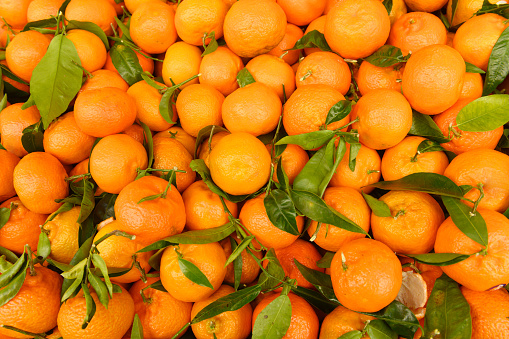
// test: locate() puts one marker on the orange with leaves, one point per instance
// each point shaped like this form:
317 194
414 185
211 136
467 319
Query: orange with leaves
292 35
341 321
293 159
24 53
180 135
146 63
100 12
13 120
9 162
219 69
63 234
316 25
250 267
324 68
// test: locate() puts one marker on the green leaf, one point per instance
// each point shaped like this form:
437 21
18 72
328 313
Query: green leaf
237 265
204 134
99 287
88 202
379 208
212 46
8 73
388 6
45 23
90 306
193 273
73 286
321 281
43 246
275 273
63 7
424 126
126 63
244 78
316 209
274 320
454 6
137 330
238 250
313 39
32 138
9 274
316 299
429 146
488 7
126 34
484 114
354 151
230 302
104 209
339 111
56 79
10 256
438 259
473 68
378 329
5 214
149 145
355 334
399 318
90 27
10 291
431 183
472 225
498 64
166 105
386 56
326 260
3 104
447 311
99 263
282 178
80 255
76 270
308 141
281 211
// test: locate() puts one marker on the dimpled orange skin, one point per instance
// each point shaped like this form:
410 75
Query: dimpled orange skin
292 35
90 48
35 307
357 28
13 120
42 9
39 179
151 220
463 141
104 78
472 86
210 260
232 324
112 322
366 275
307 108
324 68
15 12
370 77
433 94
425 5
485 166
478 272
219 69
302 12
398 161
100 12
304 322
316 25
181 62
341 321
25 52
385 117
254 27
240 164
489 313
350 203
9 162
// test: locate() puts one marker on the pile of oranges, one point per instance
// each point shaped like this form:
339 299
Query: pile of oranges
254 168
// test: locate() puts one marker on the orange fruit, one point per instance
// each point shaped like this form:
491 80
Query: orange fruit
463 141
112 322
161 315
136 132
240 164
199 105
304 322
210 260
415 30
90 48
316 25
104 78
350 203
152 27
180 135
203 207
181 62
105 111
412 229
253 109
465 10
254 27
273 72
13 120
21 228
147 99
79 169
425 5
24 53
146 63
9 162
255 219
324 68
302 12
475 39
341 321
370 77
195 19
39 292
472 86
133 5
481 271
15 12
482 166
428 273
293 160
43 9
115 160
150 220
307 108
100 12
366 275
385 118
357 28
219 69
292 35
39 179
403 159
433 79
205 147
399 8
367 170
117 6
250 268
487 310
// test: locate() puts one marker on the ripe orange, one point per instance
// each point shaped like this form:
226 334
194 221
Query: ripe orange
115 160
357 28
350 203
181 62
482 166
341 321
293 160
205 148
253 109
433 94
324 68
136 132
370 77
9 162
146 64
465 10
150 220
316 25
403 159
100 12
240 164
90 48
254 27
133 5
15 12
482 271
366 275
302 12
232 324
219 69
292 35
180 135
63 233
255 219
385 117
472 86
209 258
425 5
104 78
43 9
250 268
152 27
13 120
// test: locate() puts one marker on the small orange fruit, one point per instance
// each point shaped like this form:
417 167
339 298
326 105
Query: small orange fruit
205 148
133 5
100 12
136 132
292 35
341 321
316 25
370 77
324 68
425 5
302 12
250 268
63 233
43 9
181 62
24 53
219 69
9 162
293 160
104 78
13 120
90 48
472 86
180 135
15 12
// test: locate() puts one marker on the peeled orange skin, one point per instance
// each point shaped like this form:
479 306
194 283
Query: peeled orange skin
366 275
478 272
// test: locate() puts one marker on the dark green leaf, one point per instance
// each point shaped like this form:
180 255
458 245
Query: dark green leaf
313 39
76 270
3 104
237 265
429 146
282 178
137 330
386 56
281 212
80 255
340 153
126 63
379 208
166 105
63 7
45 23
399 317
88 202
10 273
90 305
355 334
155 260
504 140
274 320
100 288
158 285
193 273
238 250
498 64
316 299
32 138
378 329
321 281
7 72
244 78
308 141
388 5
10 291
438 259
471 224
105 208
473 68
149 144
43 246
204 134
339 111
484 114
212 46
90 27
326 260
274 272
424 126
